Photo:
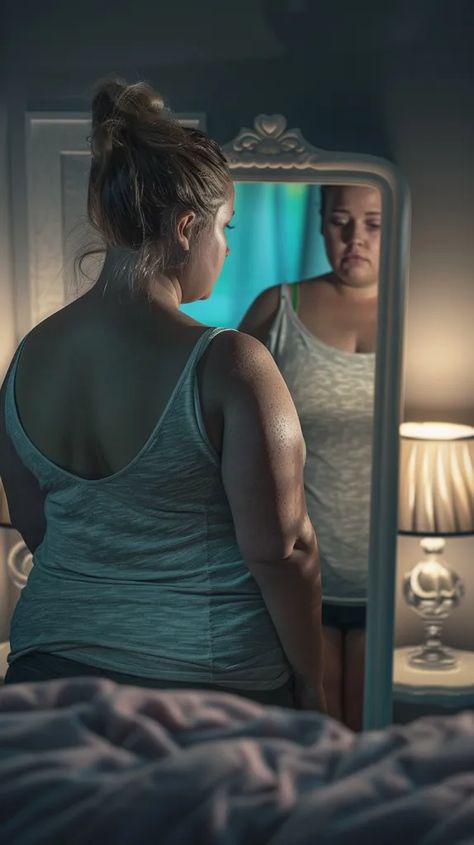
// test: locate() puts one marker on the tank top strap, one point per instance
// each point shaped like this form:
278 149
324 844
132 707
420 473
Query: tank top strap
289 295
279 320
35 459
295 296
206 338
186 388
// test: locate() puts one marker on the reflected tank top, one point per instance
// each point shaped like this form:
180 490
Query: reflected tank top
333 392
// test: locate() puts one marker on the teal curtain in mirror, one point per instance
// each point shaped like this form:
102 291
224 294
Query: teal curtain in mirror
276 239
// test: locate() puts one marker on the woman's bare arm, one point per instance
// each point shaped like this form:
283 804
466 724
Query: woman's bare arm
263 457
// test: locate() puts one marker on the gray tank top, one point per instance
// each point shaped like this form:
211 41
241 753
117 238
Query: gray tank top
140 572
333 392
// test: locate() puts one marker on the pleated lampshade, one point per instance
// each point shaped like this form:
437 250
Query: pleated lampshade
436 487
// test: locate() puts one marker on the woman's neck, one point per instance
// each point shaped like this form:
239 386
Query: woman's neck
354 293
116 283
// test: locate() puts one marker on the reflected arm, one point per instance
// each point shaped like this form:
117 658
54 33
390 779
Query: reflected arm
260 315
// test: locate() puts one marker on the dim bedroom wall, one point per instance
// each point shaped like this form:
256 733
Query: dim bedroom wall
7 315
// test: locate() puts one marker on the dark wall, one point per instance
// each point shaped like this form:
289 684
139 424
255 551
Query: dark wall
390 78
231 63
7 324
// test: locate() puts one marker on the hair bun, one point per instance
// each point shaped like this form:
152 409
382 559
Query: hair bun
117 106
105 101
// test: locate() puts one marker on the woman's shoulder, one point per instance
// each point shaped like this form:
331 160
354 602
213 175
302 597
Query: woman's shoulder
233 347
236 358
58 325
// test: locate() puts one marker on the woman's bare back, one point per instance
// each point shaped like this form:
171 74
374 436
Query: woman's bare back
93 380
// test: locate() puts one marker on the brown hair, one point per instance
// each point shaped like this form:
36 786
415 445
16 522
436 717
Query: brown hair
146 169
324 191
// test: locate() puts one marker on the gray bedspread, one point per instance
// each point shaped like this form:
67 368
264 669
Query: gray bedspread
88 761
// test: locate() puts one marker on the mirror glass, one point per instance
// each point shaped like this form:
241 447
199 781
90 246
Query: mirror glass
275 236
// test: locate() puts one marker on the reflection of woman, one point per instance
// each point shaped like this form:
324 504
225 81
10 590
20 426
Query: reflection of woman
144 461
322 334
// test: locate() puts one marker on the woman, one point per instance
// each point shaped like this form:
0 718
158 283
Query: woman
322 334
144 461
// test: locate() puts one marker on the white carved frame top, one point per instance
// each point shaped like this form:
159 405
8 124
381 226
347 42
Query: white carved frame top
270 144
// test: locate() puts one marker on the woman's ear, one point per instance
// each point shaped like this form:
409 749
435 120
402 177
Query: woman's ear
184 225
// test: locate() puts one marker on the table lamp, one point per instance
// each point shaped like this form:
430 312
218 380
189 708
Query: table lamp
436 500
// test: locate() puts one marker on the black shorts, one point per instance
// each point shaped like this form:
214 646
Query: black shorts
41 666
344 616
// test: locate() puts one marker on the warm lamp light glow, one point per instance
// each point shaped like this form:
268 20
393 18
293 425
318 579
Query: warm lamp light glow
435 431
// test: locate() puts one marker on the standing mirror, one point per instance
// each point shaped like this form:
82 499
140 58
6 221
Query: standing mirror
281 238
304 215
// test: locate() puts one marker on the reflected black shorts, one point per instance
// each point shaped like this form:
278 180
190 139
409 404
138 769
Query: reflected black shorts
345 616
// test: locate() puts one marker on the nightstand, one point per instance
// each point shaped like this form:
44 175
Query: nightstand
447 688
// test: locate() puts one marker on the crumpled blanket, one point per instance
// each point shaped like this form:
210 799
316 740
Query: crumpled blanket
87 761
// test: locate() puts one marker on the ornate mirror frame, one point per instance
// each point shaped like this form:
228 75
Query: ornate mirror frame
272 153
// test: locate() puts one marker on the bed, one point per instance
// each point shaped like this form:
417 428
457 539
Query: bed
89 761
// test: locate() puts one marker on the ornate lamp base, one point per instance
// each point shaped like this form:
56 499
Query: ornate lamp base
432 654
432 590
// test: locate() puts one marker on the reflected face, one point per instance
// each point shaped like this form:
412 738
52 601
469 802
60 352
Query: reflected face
209 254
351 229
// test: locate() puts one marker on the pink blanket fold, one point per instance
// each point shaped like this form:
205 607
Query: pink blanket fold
88 761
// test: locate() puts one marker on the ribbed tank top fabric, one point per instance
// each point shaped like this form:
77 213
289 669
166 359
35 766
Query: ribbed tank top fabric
140 572
333 392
